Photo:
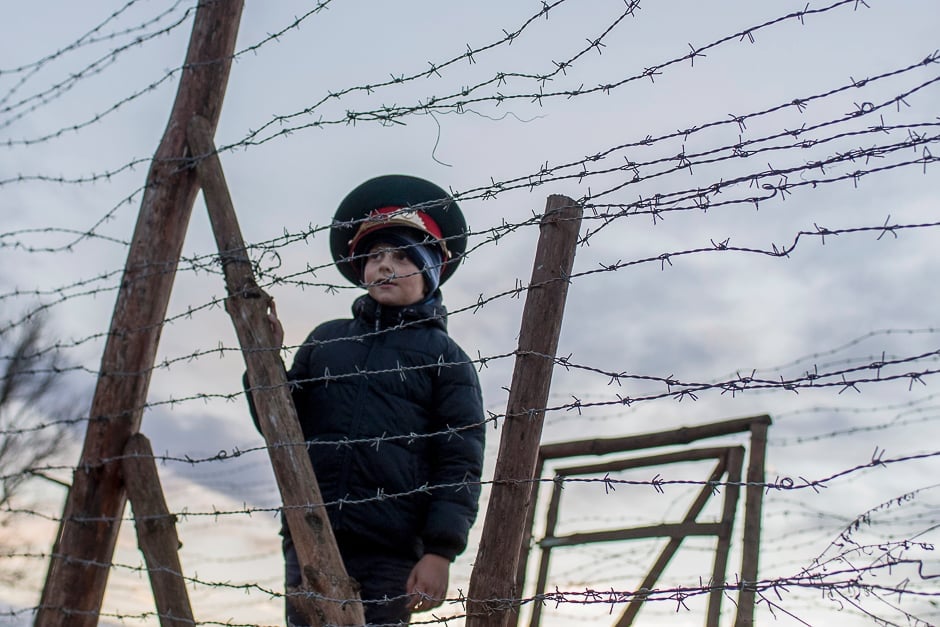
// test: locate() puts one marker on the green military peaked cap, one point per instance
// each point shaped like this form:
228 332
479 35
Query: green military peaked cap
397 200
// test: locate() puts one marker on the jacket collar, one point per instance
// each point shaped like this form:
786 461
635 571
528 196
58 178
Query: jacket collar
429 311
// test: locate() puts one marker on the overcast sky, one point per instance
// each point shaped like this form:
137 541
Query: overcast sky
688 293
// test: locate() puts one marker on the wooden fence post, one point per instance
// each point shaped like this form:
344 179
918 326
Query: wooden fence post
156 534
84 547
753 504
492 594
321 564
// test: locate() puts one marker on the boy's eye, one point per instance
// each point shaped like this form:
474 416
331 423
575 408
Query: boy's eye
394 254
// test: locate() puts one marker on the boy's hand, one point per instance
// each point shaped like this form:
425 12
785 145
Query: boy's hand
427 583
276 328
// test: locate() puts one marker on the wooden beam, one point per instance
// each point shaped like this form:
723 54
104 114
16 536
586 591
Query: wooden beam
723 547
551 523
753 504
525 545
758 426
84 547
156 534
678 533
322 566
676 457
492 593
682 435
677 530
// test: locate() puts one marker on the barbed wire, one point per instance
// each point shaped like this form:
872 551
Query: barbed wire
206 263
387 115
828 580
99 65
30 104
842 584
610 484
541 177
857 131
89 38
460 101
735 384
578 404
736 150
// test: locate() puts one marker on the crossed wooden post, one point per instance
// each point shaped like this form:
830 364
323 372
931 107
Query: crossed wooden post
333 595
113 449
88 531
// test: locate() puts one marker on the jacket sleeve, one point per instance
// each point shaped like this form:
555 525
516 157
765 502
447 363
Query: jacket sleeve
456 456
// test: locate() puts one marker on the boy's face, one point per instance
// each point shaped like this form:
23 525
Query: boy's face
391 277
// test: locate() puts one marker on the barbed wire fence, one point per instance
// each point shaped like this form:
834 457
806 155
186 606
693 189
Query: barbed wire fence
819 181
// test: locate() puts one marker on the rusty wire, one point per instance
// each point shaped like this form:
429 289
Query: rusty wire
860 144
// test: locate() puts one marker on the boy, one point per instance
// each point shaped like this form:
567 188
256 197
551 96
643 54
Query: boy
391 404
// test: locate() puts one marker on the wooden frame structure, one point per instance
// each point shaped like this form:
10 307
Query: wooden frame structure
729 461
91 518
117 461
185 162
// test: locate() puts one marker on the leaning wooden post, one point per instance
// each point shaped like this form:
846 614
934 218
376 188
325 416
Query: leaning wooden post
156 534
526 543
753 504
335 597
492 594
81 556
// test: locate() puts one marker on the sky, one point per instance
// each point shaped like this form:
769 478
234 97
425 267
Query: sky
704 141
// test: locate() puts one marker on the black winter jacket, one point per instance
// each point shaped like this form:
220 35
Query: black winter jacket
393 409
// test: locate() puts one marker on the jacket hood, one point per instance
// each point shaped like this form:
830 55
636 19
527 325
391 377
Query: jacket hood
430 311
